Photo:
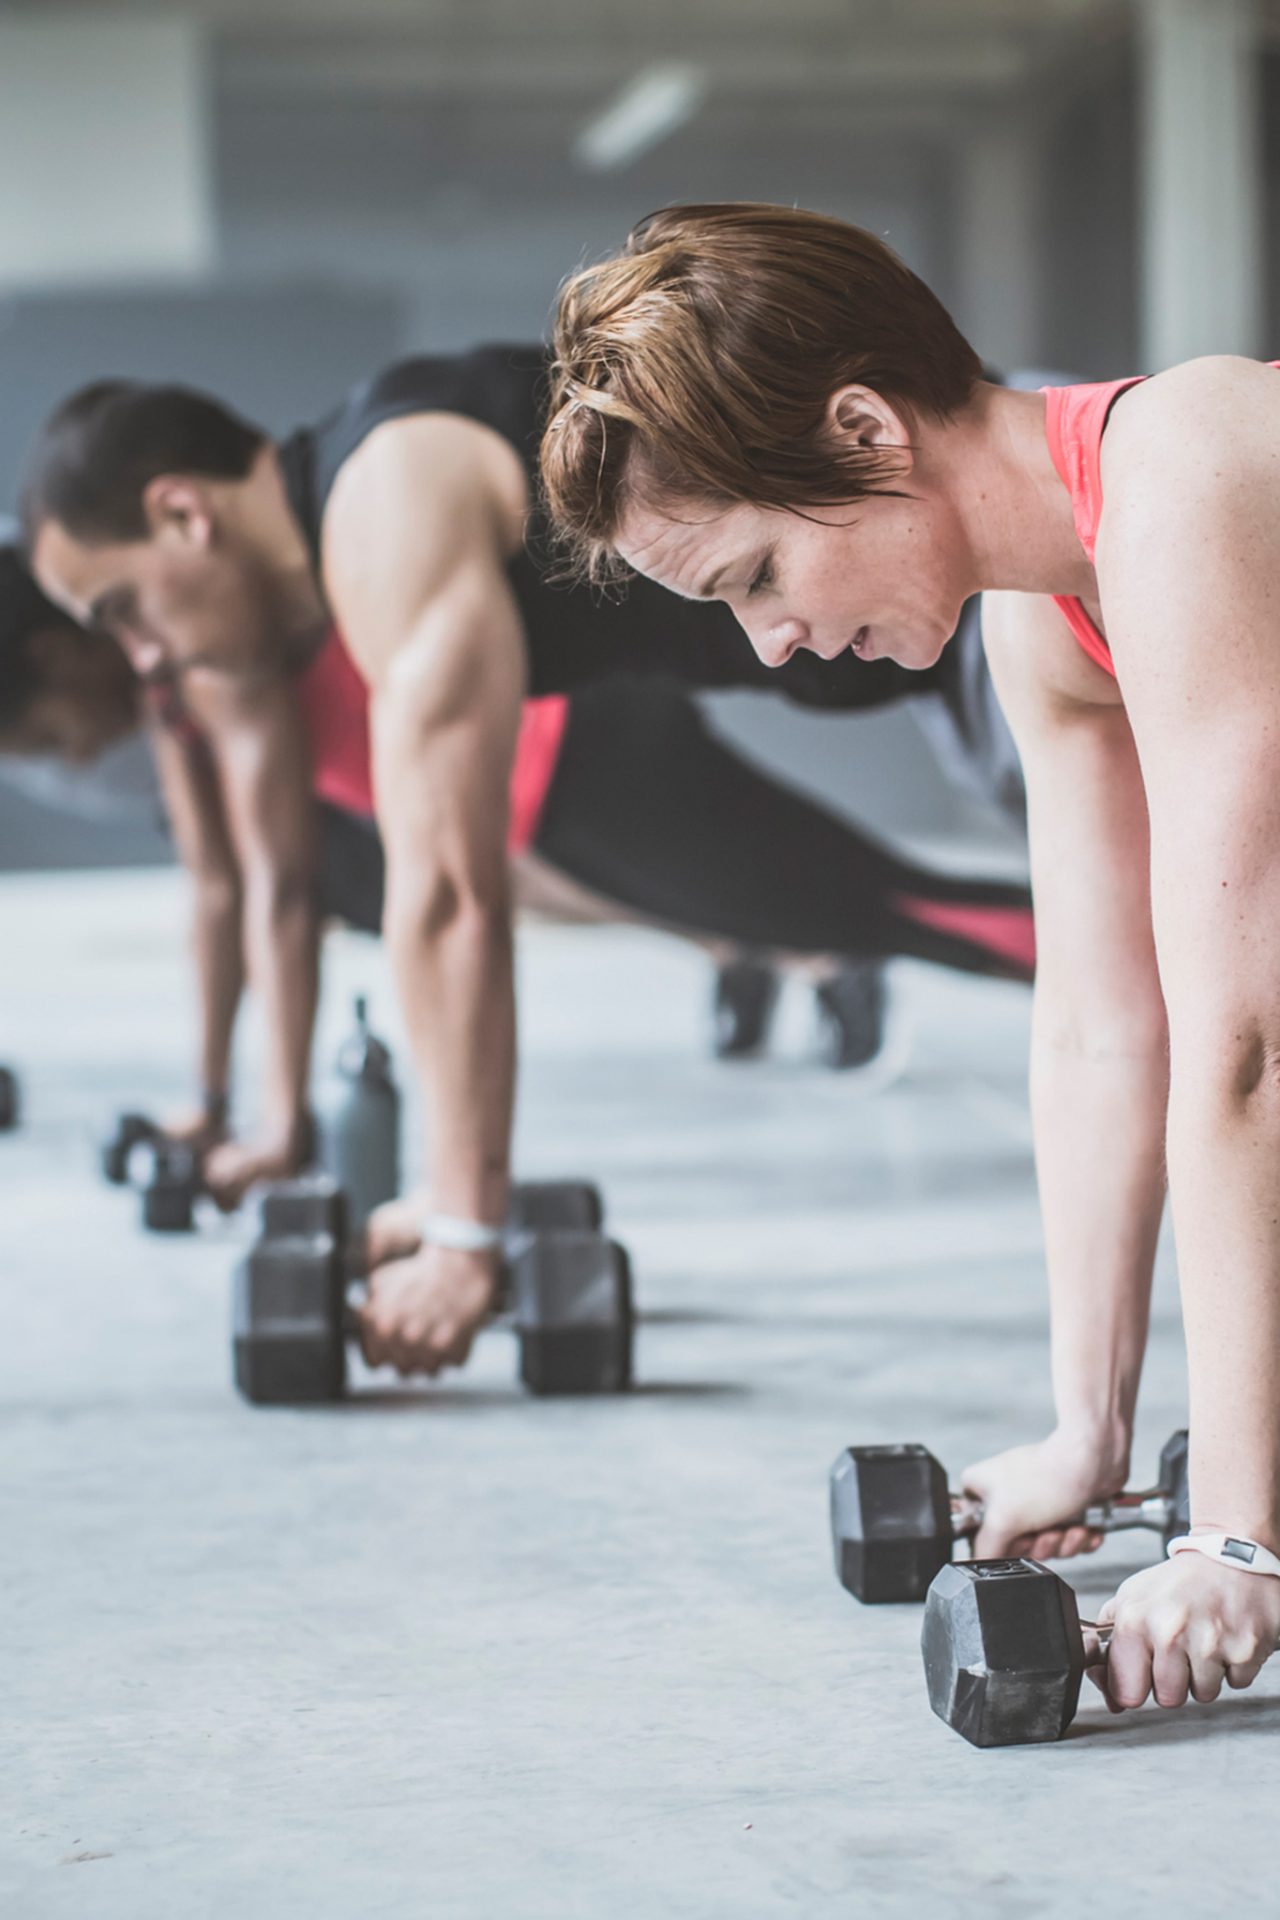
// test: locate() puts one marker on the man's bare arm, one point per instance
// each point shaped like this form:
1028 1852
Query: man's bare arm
193 803
263 772
428 615
415 570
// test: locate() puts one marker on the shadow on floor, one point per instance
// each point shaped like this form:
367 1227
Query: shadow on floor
414 1399
1153 1726
690 1317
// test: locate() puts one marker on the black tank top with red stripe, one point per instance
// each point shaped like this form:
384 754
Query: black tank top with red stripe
573 634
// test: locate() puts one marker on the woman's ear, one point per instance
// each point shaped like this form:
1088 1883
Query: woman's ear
859 417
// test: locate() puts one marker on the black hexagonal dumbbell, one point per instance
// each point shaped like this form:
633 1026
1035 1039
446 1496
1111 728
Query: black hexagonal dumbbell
314 1204
894 1524
1005 1651
10 1099
540 1204
131 1130
569 1291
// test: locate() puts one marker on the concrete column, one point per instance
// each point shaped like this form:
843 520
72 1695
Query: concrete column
105 150
1201 180
999 239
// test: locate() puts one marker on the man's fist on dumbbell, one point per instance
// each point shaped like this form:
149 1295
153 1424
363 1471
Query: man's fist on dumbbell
423 1310
232 1167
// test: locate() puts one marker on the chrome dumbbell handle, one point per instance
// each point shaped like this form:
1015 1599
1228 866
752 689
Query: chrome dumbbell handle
1125 1511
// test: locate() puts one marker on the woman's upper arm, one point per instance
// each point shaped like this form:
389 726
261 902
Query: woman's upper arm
1189 575
1087 822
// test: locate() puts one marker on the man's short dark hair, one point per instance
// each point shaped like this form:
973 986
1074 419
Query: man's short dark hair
99 451
24 612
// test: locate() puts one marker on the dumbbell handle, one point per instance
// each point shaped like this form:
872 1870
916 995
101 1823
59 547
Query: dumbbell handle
1124 1511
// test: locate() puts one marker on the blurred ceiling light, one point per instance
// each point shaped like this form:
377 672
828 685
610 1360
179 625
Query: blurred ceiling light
649 108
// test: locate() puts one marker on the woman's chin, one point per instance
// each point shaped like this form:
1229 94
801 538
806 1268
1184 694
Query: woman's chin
923 650
917 652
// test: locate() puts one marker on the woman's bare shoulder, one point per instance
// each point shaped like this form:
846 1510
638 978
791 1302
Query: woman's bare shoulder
1203 422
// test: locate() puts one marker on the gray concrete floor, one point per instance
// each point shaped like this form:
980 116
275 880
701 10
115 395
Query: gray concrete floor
445 1651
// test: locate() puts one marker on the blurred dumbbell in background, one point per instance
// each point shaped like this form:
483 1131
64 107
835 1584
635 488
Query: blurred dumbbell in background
567 1290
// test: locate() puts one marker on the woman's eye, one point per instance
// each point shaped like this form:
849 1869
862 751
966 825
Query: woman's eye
762 577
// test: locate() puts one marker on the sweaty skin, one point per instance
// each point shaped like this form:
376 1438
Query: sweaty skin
1154 819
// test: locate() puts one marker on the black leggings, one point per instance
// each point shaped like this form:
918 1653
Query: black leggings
650 810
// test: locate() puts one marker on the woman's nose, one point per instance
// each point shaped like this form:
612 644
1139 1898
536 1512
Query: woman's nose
778 641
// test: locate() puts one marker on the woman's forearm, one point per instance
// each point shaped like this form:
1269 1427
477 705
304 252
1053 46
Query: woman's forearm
1098 1108
217 942
1224 1170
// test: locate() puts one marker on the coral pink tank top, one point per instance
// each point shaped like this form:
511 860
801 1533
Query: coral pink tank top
1074 421
335 708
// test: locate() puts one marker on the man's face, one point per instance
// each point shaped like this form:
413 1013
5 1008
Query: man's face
86 698
882 578
174 601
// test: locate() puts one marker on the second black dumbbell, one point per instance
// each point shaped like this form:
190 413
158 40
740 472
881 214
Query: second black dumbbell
894 1523
168 1176
568 1291
166 1172
131 1130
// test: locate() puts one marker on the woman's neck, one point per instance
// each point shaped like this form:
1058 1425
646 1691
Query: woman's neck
1015 513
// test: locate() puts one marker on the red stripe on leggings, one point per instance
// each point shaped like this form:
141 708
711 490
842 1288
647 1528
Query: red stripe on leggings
1008 932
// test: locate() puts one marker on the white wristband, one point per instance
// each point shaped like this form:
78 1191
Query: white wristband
462 1236
1249 1556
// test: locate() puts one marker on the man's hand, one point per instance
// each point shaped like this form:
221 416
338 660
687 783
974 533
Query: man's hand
1028 1492
1184 1627
234 1166
394 1229
423 1311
